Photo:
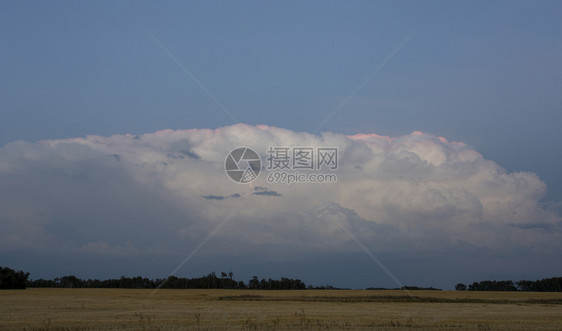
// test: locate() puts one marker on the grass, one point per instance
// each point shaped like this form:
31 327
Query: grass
125 309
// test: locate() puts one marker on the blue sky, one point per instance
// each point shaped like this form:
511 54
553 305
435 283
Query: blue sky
485 73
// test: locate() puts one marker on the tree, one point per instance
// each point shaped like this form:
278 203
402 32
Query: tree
11 279
492 285
473 287
70 281
254 283
460 287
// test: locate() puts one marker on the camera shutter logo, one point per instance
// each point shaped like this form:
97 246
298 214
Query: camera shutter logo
242 165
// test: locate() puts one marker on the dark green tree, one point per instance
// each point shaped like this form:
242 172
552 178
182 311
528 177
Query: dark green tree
460 287
11 279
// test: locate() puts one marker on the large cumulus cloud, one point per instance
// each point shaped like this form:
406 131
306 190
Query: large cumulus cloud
158 193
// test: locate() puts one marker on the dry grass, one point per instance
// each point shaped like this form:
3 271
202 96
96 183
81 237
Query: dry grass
233 309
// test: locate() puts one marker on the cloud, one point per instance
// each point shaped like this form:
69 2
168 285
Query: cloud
542 226
214 197
258 190
268 193
415 193
183 154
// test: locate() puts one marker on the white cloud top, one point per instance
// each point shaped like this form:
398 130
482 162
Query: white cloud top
151 193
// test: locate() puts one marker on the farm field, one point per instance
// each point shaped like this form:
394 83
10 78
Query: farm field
58 309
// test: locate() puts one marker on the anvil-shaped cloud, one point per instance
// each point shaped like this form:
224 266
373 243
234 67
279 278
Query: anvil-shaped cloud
161 193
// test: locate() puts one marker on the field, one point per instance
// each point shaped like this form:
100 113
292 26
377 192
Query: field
59 309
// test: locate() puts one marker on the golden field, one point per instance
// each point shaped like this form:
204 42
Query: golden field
59 309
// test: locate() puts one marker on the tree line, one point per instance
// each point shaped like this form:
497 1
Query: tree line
209 281
544 285
12 279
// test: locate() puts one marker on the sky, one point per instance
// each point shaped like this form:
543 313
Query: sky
116 119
